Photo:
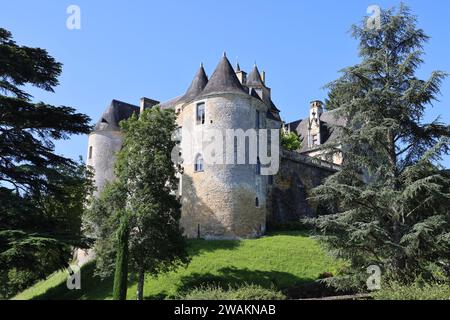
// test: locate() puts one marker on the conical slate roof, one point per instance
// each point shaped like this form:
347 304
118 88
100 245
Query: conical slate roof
116 112
198 84
223 80
254 78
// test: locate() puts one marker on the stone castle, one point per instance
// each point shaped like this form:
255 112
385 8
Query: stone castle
229 201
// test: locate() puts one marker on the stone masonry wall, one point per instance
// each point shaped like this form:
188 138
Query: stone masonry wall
219 203
292 186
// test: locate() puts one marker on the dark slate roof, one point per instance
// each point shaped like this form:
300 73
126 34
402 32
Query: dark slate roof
223 80
198 84
254 78
116 112
170 104
329 132
273 112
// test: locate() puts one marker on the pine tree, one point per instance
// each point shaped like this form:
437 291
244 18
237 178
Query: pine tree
392 196
42 194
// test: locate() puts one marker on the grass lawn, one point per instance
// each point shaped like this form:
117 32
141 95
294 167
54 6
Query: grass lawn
279 260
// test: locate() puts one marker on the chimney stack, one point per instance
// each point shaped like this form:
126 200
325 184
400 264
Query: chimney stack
242 75
263 77
147 103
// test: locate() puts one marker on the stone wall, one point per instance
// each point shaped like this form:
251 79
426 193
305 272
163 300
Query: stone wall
219 203
292 186
103 147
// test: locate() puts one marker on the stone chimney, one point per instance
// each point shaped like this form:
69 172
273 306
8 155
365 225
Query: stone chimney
147 103
242 75
314 132
316 110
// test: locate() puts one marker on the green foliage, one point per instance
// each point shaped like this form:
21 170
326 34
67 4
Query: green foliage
245 292
290 140
415 291
393 200
279 261
42 194
146 177
121 270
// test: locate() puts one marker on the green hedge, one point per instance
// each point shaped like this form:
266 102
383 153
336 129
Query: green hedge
415 291
246 292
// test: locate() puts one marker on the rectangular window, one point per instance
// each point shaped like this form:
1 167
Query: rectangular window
90 152
315 141
201 113
177 135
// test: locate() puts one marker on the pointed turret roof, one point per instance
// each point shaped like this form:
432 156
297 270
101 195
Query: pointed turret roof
254 78
223 80
116 112
198 84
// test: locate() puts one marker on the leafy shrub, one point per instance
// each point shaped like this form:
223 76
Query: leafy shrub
245 292
290 140
416 291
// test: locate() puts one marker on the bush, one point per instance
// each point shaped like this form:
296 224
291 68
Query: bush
246 292
416 291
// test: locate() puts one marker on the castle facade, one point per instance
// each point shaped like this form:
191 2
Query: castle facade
225 200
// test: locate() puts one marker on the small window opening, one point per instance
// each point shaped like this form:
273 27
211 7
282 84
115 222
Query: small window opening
199 165
257 202
201 113
90 152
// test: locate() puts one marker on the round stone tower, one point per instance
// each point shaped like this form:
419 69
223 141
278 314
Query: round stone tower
105 141
223 199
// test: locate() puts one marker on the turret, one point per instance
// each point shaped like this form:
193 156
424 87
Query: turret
314 128
222 199
106 140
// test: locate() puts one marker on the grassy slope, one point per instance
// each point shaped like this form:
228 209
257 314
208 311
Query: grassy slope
279 260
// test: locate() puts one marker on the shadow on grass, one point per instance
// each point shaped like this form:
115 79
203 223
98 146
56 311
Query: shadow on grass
92 288
235 278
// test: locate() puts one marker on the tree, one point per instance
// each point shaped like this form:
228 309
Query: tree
290 141
41 193
148 212
121 271
392 196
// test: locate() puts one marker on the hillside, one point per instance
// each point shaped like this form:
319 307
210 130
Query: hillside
280 260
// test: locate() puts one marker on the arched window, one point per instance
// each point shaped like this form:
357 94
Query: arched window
90 152
198 166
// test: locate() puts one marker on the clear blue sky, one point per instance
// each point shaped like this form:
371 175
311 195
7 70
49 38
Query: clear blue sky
129 49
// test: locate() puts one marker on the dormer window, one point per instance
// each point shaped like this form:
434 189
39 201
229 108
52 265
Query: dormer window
315 140
201 113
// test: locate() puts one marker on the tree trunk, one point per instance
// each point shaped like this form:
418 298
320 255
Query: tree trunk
140 284
121 272
399 259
